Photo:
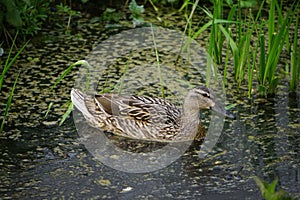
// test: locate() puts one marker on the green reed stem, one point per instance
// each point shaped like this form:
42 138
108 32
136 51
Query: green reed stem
8 103
67 113
295 60
162 89
8 62
48 109
66 72
60 78
276 39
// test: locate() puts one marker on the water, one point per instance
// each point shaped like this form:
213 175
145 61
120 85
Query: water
40 159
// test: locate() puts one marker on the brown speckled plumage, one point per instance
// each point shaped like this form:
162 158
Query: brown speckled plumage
147 118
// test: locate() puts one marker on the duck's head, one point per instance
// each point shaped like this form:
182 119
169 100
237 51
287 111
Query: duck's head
201 98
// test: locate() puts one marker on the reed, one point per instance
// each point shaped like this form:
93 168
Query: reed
161 81
269 57
295 60
8 103
7 64
69 104
258 62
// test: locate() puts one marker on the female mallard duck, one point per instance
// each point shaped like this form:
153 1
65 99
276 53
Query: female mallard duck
147 118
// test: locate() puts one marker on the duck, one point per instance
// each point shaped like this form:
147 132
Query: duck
147 118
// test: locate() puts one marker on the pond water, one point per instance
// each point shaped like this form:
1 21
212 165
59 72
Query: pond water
39 159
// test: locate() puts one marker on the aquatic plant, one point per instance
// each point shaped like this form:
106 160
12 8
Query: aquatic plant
7 64
258 62
63 9
269 192
277 35
295 60
110 15
69 104
136 12
25 16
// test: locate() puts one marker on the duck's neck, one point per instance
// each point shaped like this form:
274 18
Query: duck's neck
189 121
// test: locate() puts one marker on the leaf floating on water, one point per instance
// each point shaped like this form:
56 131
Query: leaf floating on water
294 125
104 182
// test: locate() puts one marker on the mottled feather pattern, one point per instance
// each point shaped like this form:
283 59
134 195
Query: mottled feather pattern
152 114
147 118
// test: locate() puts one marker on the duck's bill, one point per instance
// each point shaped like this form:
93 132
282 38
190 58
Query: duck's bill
221 111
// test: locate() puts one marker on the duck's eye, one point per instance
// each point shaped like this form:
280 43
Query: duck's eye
205 94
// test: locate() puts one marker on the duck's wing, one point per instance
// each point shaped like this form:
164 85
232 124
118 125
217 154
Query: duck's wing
141 109
130 116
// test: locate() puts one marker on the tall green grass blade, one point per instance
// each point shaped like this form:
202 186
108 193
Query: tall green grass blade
209 23
226 66
250 77
8 103
209 62
186 28
262 59
60 78
8 62
66 72
66 114
243 57
276 47
48 109
232 44
295 60
271 24
162 88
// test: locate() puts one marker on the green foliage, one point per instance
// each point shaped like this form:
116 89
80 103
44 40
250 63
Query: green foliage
27 16
269 192
12 14
65 10
8 103
277 35
165 2
244 4
258 62
8 63
60 78
136 12
295 60
219 33
110 15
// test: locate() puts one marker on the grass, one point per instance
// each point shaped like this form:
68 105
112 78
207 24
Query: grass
162 90
253 61
9 62
66 10
270 58
8 103
60 78
295 60
7 65
69 104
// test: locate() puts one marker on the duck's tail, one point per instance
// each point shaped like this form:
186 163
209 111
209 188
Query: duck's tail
78 98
